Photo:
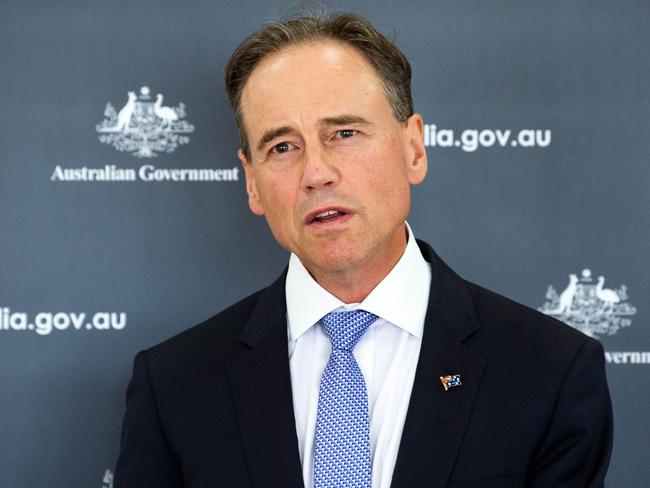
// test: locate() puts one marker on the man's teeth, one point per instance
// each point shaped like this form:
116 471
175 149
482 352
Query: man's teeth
327 214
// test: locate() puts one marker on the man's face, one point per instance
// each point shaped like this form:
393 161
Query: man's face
330 167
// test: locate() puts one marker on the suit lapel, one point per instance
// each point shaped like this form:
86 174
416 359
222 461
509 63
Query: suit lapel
436 419
260 382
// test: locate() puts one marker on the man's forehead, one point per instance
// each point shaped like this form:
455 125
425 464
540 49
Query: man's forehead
332 53
305 80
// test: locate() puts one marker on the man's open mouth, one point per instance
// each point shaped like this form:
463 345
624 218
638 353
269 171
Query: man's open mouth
328 215
325 216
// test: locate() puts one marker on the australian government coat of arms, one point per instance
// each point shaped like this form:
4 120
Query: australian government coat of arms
588 306
144 126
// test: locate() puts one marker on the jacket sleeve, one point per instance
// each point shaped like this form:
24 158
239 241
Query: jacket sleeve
145 458
576 449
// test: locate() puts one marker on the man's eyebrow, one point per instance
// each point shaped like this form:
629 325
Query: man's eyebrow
271 134
344 120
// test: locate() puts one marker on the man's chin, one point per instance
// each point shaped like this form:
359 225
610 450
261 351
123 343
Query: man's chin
333 259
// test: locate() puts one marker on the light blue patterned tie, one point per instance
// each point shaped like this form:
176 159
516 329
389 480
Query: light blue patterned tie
342 445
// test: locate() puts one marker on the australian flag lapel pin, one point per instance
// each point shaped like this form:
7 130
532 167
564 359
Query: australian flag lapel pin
450 380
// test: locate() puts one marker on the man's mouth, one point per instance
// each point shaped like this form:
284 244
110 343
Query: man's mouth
327 216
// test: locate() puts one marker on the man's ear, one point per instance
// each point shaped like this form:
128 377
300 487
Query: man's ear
417 153
254 201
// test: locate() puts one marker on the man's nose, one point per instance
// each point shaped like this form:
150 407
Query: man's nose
319 171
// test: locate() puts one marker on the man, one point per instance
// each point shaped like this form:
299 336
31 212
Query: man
398 372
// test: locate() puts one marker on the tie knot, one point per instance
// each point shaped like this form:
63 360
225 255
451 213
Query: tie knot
346 328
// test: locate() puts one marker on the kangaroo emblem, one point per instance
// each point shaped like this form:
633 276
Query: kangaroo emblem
566 297
125 114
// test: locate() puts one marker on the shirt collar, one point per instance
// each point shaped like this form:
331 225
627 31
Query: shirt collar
401 298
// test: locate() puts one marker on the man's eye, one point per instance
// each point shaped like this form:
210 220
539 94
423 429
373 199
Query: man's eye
283 147
345 133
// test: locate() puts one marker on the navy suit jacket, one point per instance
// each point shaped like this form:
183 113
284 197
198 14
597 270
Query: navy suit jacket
212 407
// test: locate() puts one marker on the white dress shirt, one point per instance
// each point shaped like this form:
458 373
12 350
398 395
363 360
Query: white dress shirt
387 353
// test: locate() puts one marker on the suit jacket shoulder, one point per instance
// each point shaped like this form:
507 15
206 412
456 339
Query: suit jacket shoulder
216 336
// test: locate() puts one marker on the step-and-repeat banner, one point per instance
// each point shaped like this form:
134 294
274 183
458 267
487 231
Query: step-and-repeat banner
124 219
